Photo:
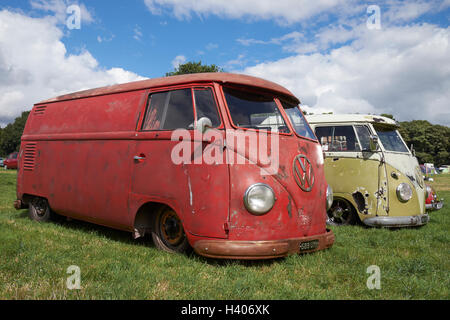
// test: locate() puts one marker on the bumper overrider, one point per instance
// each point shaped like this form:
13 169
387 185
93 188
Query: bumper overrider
434 205
252 250
396 222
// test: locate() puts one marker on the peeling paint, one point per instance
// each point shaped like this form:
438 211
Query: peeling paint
289 207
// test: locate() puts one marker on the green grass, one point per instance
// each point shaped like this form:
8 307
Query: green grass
34 258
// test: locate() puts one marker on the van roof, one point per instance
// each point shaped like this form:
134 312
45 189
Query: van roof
341 118
221 77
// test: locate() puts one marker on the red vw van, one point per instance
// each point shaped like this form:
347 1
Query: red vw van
110 156
11 161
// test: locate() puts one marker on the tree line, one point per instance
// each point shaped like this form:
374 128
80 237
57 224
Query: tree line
431 142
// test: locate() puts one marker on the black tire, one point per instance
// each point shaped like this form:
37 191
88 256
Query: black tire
168 232
341 213
39 210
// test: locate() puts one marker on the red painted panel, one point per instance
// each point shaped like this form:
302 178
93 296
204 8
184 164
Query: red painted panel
296 213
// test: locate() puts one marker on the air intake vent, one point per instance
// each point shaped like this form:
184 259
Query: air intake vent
29 156
40 110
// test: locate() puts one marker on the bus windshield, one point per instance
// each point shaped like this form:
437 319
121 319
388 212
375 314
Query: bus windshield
391 140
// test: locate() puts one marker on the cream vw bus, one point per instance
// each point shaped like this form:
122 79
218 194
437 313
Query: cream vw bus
374 176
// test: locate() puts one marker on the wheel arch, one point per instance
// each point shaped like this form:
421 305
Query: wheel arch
144 215
351 200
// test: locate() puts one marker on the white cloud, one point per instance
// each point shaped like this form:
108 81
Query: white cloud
137 33
284 11
211 46
407 10
35 65
404 71
101 39
293 36
58 8
178 60
239 62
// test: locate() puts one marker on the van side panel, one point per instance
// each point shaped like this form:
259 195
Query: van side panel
101 114
83 155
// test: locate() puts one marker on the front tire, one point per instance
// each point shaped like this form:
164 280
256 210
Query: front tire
39 210
341 213
168 232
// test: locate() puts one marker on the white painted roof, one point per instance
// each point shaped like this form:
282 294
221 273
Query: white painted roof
344 118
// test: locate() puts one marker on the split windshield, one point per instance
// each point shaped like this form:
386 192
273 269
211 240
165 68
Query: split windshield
256 111
391 140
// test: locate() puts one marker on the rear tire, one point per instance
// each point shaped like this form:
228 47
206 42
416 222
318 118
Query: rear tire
168 232
39 210
341 213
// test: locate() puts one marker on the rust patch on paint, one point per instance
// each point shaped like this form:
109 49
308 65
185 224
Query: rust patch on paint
289 207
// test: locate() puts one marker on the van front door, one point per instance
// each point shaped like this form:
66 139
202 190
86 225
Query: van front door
374 159
351 169
167 172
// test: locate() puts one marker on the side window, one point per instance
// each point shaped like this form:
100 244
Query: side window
206 105
364 137
169 111
324 134
337 138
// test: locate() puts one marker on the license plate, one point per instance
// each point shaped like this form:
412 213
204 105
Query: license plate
309 245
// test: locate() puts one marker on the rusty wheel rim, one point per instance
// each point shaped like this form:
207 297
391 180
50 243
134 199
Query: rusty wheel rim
40 207
171 228
340 213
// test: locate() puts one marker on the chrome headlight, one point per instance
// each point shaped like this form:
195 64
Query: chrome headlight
404 192
329 197
259 199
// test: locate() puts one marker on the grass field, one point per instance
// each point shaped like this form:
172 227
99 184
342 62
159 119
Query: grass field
34 258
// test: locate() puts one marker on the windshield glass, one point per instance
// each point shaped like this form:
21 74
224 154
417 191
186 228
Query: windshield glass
390 139
298 120
254 111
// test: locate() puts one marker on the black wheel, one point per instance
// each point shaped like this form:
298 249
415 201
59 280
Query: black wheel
341 213
39 210
168 233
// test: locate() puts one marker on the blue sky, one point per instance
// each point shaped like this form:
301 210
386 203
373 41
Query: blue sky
322 50
126 34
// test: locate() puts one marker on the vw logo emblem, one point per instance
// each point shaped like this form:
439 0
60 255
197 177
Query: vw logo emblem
303 173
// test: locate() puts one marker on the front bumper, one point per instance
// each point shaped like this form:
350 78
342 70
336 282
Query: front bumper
396 222
434 205
252 250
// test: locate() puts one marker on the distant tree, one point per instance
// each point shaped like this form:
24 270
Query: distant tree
10 135
193 67
431 142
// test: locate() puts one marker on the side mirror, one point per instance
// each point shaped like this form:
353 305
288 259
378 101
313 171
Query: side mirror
373 143
203 124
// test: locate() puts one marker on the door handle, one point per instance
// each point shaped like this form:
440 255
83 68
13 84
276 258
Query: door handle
139 158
